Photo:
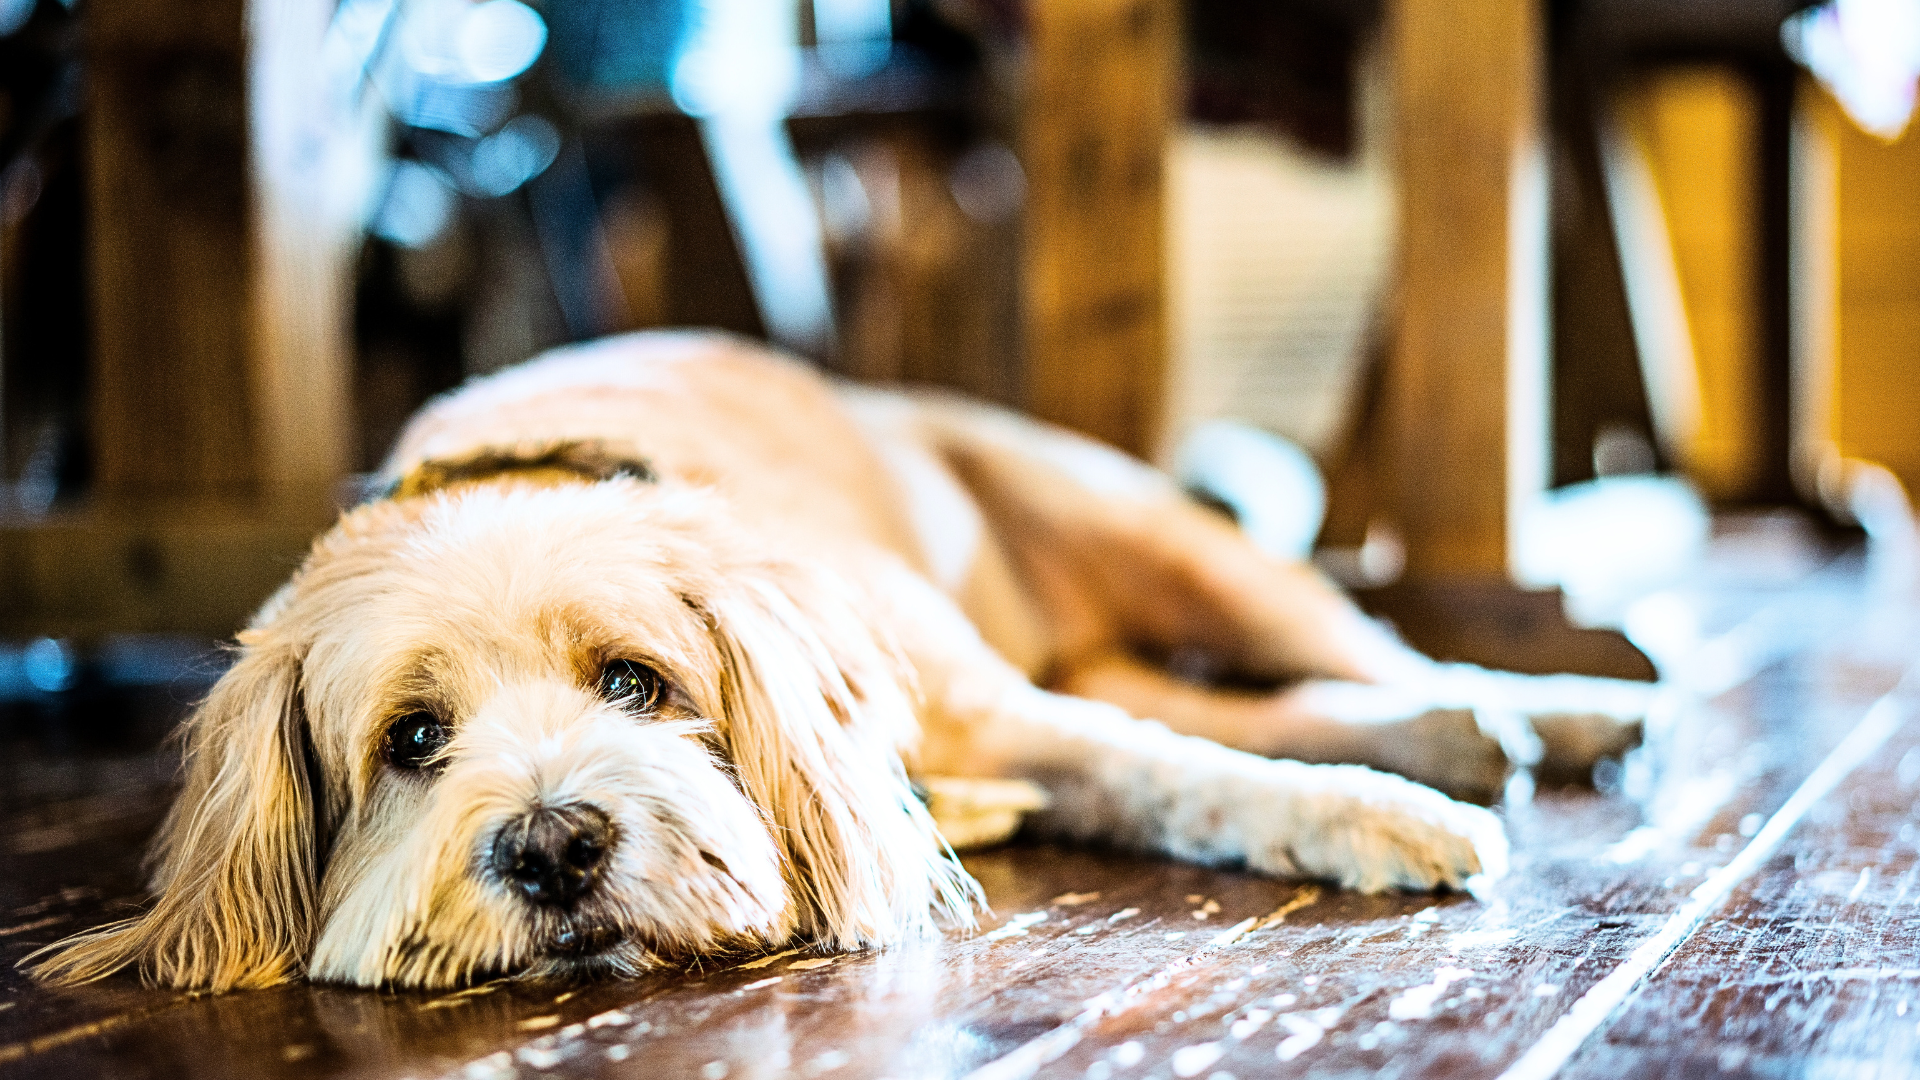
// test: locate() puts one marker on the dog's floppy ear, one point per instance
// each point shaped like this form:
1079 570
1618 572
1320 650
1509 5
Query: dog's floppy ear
815 707
234 866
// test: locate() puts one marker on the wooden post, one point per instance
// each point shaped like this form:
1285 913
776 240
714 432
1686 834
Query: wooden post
1100 97
1465 444
1859 314
166 127
1460 450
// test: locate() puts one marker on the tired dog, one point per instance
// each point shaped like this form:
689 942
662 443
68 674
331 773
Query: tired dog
638 653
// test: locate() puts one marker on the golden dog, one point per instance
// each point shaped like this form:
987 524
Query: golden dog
637 657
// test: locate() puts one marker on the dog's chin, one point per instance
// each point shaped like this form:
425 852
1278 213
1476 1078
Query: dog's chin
582 940
590 952
584 947
581 945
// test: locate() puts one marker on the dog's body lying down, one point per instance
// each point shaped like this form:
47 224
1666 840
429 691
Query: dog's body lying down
637 657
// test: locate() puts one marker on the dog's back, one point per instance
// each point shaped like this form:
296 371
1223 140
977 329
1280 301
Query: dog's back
703 408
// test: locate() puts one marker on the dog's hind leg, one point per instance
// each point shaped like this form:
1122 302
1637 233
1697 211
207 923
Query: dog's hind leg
1457 728
1153 573
1113 779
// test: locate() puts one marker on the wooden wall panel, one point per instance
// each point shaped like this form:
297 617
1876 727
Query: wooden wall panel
1875 392
1697 128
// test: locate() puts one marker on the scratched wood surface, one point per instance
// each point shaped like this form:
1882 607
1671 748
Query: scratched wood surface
1780 781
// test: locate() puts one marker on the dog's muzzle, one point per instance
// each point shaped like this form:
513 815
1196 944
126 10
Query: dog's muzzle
552 856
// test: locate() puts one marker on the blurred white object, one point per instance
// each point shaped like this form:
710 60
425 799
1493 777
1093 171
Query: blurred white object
499 39
418 205
1272 487
1867 52
1872 497
1610 541
737 74
513 155
461 42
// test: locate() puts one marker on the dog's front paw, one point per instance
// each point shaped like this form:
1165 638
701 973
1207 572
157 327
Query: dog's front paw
1371 831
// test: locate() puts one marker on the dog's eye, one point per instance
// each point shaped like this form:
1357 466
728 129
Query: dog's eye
632 686
414 738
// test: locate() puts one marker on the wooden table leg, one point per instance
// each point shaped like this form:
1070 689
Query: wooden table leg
1460 443
1465 445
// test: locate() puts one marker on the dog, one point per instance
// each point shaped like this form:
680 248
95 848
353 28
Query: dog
639 652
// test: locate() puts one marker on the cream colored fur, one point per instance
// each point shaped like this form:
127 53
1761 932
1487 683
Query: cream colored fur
839 587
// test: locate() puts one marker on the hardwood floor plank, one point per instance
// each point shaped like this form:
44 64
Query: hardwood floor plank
1814 965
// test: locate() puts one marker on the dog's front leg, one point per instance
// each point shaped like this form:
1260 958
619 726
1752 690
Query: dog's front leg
1116 779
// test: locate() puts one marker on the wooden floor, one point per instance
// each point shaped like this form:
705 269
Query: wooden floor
1742 900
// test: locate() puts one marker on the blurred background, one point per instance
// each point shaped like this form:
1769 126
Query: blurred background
1499 310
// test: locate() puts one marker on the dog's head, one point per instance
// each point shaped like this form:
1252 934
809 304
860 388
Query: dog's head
548 729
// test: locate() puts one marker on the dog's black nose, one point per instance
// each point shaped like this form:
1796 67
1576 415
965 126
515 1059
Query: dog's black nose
553 855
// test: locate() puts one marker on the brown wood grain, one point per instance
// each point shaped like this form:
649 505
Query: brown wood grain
1816 958
168 217
1097 108
1467 99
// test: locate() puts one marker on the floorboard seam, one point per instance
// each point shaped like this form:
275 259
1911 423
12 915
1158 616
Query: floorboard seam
1595 1007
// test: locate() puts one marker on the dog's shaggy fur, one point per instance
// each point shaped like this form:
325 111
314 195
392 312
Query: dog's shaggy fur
837 589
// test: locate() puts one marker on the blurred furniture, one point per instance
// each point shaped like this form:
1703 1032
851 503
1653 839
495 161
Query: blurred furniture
1085 92
1690 111
1753 247
1457 441
222 180
227 175
231 164
1730 299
